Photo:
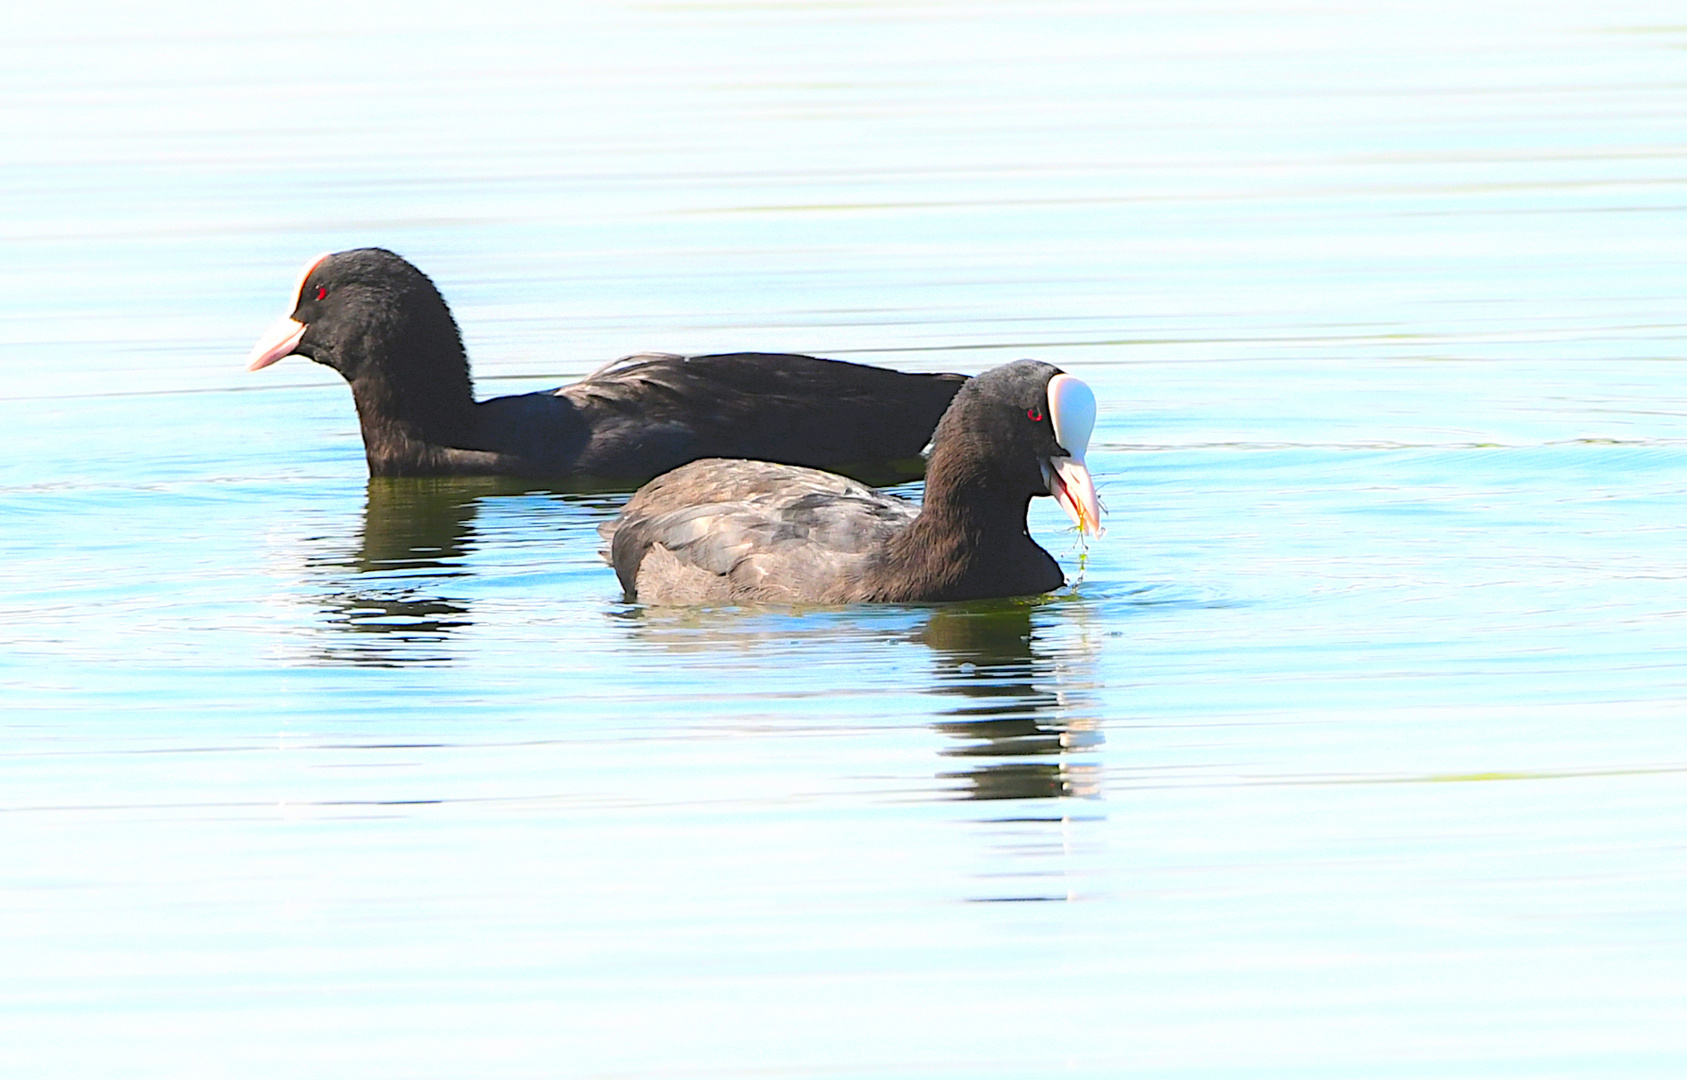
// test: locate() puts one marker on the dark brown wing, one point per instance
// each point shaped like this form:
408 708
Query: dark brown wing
718 531
654 414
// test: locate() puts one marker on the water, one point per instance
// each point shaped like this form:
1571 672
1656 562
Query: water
1356 750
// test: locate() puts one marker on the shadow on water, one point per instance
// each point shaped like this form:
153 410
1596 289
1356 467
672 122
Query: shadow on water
1011 707
1014 702
390 599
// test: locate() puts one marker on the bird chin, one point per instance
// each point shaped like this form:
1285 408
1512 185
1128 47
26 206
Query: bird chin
1069 482
278 341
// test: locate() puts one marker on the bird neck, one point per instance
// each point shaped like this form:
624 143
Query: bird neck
969 539
966 490
414 398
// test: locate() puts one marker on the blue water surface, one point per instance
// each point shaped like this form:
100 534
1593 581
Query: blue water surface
1354 749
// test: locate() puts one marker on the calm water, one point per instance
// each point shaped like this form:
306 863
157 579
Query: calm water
1356 750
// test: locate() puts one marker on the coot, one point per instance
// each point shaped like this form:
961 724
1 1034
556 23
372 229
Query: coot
747 531
382 324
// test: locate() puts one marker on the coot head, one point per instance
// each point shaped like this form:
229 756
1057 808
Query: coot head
1021 429
356 309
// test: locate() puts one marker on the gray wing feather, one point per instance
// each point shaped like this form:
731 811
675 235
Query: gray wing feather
756 529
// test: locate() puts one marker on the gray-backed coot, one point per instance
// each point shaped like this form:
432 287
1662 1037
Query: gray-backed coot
746 531
382 324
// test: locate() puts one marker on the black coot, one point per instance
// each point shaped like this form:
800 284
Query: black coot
746 531
380 322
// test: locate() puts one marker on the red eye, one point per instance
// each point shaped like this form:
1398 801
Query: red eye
322 292
1033 413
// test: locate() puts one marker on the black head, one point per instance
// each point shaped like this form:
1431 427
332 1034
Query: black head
356 311
1022 429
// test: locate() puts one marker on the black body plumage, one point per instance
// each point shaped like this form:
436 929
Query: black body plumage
383 325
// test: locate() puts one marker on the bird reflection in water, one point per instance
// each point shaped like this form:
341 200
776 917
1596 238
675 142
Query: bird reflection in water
1019 720
388 602
1006 685
988 655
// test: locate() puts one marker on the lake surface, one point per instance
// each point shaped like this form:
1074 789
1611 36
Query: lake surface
1356 748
